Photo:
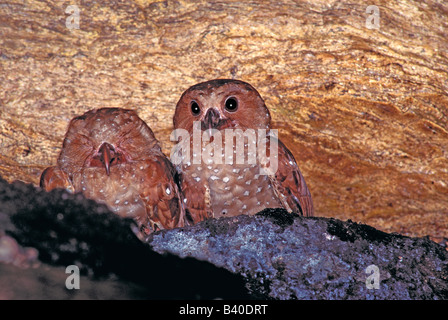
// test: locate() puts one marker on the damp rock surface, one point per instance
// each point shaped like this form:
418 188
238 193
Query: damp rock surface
272 255
69 229
287 257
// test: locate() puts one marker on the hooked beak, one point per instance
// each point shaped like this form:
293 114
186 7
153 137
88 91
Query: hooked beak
105 156
211 120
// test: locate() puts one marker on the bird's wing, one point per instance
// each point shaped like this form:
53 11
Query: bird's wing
290 185
197 199
162 195
53 177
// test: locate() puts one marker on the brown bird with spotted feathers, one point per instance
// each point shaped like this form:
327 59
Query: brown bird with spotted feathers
218 189
112 156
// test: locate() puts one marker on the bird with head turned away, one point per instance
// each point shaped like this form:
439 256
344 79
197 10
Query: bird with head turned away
112 156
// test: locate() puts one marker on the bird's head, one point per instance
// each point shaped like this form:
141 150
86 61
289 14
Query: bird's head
221 104
104 138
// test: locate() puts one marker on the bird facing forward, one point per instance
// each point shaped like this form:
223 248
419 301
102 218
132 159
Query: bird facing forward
215 183
112 156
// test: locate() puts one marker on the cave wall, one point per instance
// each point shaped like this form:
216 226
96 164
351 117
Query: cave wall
363 110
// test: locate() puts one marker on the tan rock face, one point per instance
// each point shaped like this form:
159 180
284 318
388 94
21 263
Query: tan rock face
364 111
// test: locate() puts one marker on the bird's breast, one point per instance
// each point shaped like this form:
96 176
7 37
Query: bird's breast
120 191
235 189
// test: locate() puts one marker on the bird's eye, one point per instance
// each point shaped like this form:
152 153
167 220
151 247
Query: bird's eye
231 104
195 108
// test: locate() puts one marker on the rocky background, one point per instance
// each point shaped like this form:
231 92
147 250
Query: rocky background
364 111
42 233
272 255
